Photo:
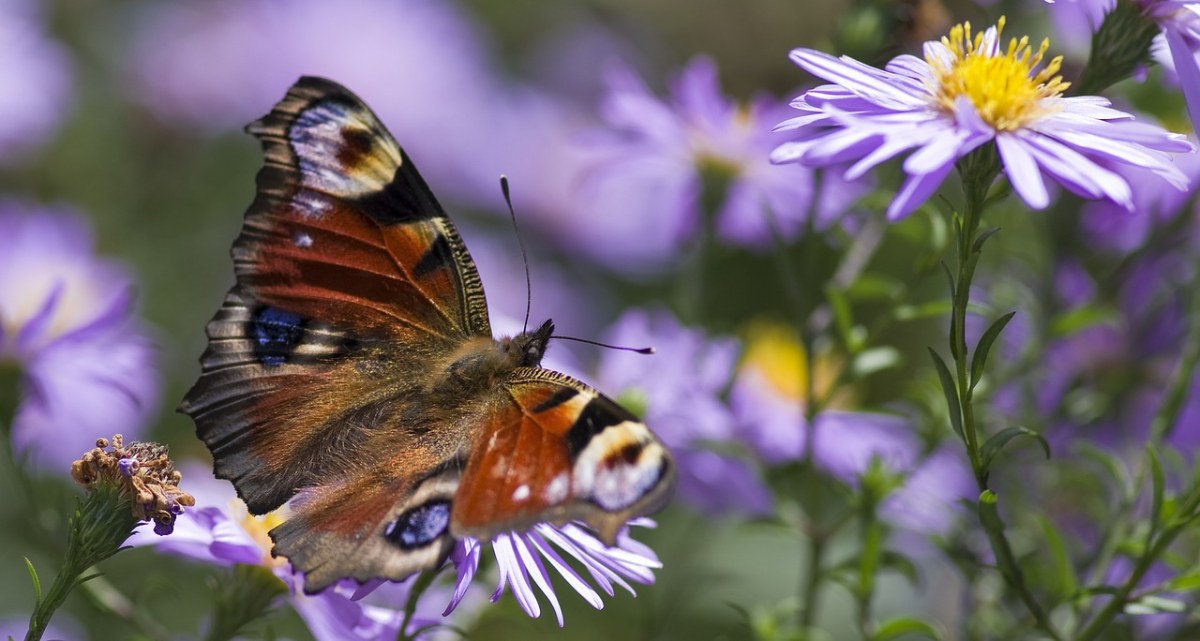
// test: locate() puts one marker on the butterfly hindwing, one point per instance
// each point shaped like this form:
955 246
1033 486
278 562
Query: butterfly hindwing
554 449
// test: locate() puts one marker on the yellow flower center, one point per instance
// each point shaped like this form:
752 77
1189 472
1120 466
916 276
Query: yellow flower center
1006 89
258 527
773 351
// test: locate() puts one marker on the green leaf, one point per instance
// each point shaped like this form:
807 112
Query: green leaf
873 360
979 358
949 278
1151 604
982 238
37 583
1157 482
871 287
1079 319
1063 572
843 319
924 310
997 442
950 391
900 564
905 625
1186 583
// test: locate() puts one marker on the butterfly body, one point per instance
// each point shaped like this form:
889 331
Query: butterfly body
352 371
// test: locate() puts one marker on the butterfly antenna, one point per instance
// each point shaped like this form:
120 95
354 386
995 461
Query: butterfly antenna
636 350
524 255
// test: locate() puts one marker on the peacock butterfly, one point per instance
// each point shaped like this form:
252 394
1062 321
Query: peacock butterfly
352 367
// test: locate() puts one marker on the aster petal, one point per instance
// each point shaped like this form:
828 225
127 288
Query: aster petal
1022 170
916 190
856 77
1188 68
1117 150
31 332
1078 172
566 571
466 560
603 576
912 69
512 573
533 565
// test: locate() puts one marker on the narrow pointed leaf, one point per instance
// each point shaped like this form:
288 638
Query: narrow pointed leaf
979 358
979 241
998 440
37 583
950 391
1157 481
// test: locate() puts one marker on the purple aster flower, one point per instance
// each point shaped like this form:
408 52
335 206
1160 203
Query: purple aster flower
650 169
1109 225
970 91
519 558
930 501
219 531
1180 22
679 390
66 320
35 81
768 399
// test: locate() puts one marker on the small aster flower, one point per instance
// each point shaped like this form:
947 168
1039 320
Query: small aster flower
519 558
679 391
663 166
141 471
1180 23
970 91
220 531
86 363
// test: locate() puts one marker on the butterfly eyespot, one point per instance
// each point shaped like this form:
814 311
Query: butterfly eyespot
276 334
419 526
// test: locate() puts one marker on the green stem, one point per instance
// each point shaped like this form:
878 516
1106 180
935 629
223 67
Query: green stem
1154 550
101 523
811 584
979 170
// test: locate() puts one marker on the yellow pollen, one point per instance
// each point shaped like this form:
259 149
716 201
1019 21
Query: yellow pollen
258 527
781 360
774 351
1006 87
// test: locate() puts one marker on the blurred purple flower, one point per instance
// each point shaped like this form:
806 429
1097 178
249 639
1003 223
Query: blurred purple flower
929 502
420 64
768 399
969 91
1180 22
519 559
219 531
35 81
66 319
649 171
62 628
680 388
1105 380
1154 206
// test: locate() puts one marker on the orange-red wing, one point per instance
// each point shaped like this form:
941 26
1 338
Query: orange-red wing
345 231
555 450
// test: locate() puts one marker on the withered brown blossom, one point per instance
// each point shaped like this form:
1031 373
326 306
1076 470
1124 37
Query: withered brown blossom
143 472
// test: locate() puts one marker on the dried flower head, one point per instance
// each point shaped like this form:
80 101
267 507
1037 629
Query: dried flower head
143 472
